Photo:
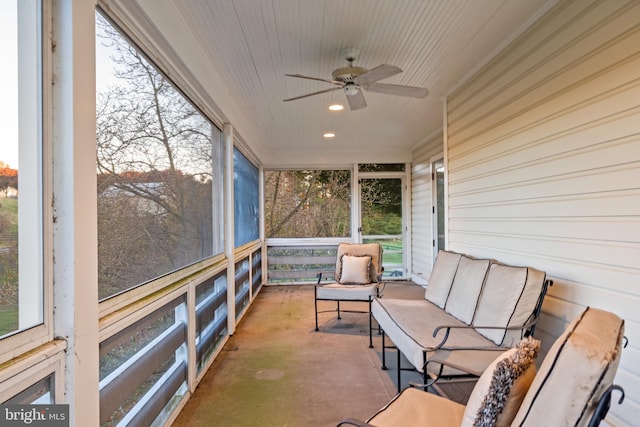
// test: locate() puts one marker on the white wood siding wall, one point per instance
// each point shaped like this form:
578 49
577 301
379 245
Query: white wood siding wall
543 167
422 234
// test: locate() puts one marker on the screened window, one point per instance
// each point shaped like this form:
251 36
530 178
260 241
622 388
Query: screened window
307 203
158 165
21 217
245 200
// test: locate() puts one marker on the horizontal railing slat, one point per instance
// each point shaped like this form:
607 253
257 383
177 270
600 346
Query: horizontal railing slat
292 274
301 259
119 385
209 336
161 397
205 311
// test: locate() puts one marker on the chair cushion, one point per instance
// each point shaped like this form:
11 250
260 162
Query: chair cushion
374 250
508 298
466 287
497 395
338 292
441 278
579 366
414 407
355 269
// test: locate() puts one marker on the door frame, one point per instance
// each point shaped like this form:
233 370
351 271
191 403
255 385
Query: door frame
405 178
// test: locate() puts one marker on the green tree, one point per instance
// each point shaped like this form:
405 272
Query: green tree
307 203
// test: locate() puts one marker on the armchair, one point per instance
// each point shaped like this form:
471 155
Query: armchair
572 387
358 277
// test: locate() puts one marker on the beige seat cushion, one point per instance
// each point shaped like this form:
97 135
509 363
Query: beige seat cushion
414 407
410 324
337 291
579 366
441 278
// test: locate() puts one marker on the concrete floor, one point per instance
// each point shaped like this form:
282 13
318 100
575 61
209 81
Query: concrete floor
276 370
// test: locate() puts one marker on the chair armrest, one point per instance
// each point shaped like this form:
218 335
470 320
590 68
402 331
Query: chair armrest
448 328
381 286
604 404
353 422
326 275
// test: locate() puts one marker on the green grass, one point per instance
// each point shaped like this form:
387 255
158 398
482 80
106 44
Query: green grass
9 210
9 215
8 319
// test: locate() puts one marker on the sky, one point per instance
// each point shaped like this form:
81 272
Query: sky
9 79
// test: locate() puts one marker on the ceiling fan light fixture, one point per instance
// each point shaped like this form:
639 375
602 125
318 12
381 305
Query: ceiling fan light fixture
350 90
336 107
329 135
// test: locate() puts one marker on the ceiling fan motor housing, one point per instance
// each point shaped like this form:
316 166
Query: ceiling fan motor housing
347 74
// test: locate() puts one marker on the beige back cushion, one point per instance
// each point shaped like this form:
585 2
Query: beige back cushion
508 298
511 373
579 366
374 250
466 287
441 278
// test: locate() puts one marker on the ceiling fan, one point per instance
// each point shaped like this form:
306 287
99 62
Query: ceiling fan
352 80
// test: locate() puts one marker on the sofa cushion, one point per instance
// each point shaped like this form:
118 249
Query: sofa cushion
508 298
579 366
499 391
355 269
410 324
413 407
466 287
441 278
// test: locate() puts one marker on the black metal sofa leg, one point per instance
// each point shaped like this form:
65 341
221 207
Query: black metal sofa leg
370 326
384 360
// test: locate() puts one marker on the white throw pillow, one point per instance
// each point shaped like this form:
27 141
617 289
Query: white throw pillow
355 270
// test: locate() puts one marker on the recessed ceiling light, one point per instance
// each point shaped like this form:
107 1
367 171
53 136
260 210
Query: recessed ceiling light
329 135
336 107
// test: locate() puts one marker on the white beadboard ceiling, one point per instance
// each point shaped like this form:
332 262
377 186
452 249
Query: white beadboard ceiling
240 50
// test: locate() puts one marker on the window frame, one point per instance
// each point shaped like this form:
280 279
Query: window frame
21 341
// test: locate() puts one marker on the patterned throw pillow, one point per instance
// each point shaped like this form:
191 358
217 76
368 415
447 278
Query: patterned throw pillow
355 270
501 388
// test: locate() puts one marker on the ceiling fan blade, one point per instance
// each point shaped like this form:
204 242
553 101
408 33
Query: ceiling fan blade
300 76
314 93
380 72
357 101
412 91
